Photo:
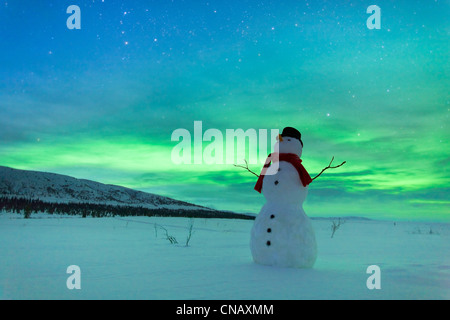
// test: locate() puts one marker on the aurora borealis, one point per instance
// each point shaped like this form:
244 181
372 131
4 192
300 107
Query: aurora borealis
101 102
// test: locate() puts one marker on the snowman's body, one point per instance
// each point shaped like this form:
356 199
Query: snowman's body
282 234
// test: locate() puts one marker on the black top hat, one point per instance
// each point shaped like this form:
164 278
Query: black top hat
293 133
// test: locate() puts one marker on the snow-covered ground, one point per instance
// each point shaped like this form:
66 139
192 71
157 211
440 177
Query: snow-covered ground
133 260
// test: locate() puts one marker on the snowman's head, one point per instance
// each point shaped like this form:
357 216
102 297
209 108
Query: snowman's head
289 141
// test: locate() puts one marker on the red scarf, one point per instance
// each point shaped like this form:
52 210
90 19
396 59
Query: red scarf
288 157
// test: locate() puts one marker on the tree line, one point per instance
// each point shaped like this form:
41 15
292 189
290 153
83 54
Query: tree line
29 206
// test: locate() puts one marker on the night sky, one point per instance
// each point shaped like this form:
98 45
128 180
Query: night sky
101 103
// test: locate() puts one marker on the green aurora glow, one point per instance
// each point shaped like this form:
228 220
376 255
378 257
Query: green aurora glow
86 105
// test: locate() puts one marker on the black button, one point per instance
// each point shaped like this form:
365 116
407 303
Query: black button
272 216
276 182
269 230
268 243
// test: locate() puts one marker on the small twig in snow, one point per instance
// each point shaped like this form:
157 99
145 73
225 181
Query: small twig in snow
191 225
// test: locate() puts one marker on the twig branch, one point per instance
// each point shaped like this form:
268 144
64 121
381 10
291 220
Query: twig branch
329 167
191 225
171 239
246 167
336 226
323 170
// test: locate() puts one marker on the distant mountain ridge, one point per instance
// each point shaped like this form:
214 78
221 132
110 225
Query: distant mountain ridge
56 188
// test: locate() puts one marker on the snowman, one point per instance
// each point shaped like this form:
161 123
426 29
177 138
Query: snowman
282 234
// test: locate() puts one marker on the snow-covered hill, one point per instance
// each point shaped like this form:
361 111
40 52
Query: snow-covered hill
50 187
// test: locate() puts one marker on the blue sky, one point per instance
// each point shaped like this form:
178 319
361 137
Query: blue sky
102 102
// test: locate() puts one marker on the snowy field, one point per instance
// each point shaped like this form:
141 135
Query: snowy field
134 260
